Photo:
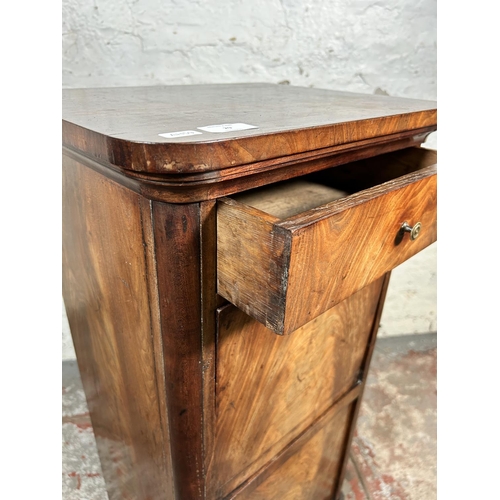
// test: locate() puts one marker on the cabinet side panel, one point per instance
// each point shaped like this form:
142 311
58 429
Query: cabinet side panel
105 288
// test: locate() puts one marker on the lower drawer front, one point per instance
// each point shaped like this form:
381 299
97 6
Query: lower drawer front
285 270
271 388
313 471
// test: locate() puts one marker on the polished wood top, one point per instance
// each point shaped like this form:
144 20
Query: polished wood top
122 126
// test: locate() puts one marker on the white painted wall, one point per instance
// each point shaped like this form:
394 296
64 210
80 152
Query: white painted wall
369 46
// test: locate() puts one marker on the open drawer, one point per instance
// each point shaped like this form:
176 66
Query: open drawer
290 251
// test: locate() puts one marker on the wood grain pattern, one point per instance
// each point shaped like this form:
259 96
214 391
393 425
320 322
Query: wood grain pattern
290 120
312 472
353 246
246 238
209 304
363 376
292 380
295 445
154 308
106 288
186 409
177 248
288 199
269 269
190 187
289 481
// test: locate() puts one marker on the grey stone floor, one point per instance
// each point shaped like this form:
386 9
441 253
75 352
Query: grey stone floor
393 456
82 477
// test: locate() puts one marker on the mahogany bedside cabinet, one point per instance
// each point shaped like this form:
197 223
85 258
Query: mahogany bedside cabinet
227 250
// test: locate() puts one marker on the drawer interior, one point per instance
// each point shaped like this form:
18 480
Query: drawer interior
287 199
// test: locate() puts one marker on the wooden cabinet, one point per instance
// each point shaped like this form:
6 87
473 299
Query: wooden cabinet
227 249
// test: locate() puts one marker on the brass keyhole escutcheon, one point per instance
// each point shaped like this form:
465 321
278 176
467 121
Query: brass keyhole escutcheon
414 231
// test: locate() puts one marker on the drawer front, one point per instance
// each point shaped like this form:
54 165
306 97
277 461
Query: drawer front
312 472
285 273
272 388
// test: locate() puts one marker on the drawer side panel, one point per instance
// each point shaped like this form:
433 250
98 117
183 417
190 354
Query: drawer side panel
252 262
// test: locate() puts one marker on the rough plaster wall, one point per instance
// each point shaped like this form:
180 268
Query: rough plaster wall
368 46
386 46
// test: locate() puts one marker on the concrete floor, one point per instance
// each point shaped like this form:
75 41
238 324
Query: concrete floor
393 455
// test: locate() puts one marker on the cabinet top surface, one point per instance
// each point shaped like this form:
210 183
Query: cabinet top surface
212 127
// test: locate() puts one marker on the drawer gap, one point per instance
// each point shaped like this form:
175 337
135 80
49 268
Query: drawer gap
287 199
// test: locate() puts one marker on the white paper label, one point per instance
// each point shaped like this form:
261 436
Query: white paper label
183 133
226 127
